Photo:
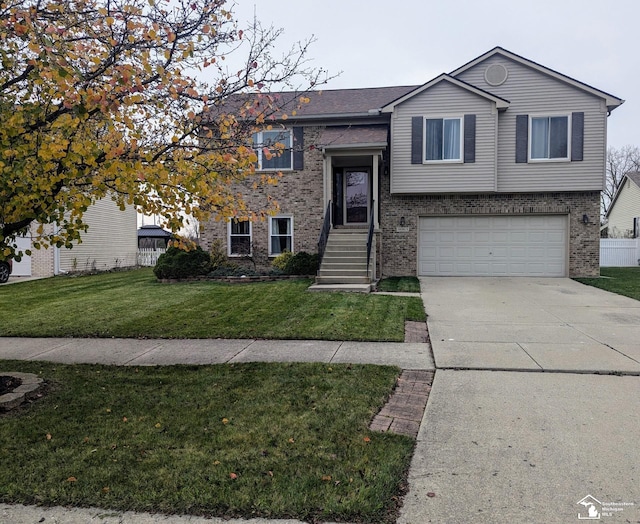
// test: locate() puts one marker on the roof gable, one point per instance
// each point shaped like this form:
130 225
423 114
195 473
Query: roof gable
611 101
501 103
635 179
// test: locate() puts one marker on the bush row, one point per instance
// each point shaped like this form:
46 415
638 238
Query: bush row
177 263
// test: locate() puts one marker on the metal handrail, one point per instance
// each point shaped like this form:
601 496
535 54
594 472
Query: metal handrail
370 235
324 234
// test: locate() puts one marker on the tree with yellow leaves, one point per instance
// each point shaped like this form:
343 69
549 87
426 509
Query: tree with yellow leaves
105 99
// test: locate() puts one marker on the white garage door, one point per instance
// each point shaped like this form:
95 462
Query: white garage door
22 268
493 246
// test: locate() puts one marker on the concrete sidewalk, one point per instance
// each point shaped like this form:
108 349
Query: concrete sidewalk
151 352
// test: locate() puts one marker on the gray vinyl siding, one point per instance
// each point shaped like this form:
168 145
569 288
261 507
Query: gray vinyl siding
443 99
110 242
625 209
532 92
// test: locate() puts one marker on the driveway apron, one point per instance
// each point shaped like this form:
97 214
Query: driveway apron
531 324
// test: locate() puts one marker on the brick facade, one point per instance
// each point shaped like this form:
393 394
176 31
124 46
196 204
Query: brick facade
298 193
399 250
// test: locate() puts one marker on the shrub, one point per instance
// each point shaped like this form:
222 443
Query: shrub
302 263
281 261
218 255
176 263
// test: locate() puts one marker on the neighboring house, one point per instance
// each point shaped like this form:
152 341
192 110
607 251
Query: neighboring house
153 237
110 242
623 215
494 169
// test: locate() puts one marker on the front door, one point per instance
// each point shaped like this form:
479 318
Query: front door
356 196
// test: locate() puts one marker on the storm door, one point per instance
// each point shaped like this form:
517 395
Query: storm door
356 196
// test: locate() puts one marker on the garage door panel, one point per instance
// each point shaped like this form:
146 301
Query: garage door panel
493 246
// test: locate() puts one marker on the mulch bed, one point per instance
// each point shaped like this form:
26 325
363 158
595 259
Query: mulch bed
8 384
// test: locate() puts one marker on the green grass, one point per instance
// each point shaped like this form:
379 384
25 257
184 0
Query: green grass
134 304
400 284
621 280
171 439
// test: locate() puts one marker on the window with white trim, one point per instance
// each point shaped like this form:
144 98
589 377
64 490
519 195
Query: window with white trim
549 137
239 238
443 139
280 235
274 149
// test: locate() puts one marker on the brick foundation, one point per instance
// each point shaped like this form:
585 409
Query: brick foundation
400 249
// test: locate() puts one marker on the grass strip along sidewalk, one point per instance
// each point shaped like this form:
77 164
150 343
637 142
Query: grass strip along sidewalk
271 440
133 304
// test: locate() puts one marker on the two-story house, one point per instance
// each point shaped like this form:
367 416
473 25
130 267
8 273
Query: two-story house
494 169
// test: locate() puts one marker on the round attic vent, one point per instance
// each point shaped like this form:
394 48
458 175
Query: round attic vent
496 74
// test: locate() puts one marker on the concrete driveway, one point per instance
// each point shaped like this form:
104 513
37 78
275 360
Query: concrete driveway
531 324
502 442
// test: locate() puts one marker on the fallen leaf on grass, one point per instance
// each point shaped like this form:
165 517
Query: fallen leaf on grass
48 436
72 479
366 439
106 489
233 476
225 421
326 478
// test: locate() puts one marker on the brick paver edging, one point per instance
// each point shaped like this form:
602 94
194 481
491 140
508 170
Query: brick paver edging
403 411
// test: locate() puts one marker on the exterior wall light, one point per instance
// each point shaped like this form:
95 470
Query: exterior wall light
403 222
585 219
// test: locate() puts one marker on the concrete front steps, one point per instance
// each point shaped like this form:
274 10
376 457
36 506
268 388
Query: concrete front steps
344 264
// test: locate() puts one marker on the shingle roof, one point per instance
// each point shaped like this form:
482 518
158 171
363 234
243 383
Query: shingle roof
326 103
153 232
340 136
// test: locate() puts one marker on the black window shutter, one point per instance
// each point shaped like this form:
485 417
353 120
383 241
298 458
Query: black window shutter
522 138
417 124
469 139
298 148
577 136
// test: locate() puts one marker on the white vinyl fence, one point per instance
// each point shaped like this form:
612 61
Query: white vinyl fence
619 252
149 256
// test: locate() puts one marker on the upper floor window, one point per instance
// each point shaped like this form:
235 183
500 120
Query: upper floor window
549 137
542 138
274 149
239 238
443 139
450 139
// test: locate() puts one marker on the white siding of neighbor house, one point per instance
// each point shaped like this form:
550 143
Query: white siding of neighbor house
530 91
625 208
443 99
111 240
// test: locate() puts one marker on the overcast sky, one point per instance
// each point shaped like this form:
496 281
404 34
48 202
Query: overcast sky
406 42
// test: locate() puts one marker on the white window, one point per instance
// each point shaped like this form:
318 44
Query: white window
549 137
443 139
280 235
274 149
239 238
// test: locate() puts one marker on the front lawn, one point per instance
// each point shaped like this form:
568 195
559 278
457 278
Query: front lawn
249 440
620 280
133 304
